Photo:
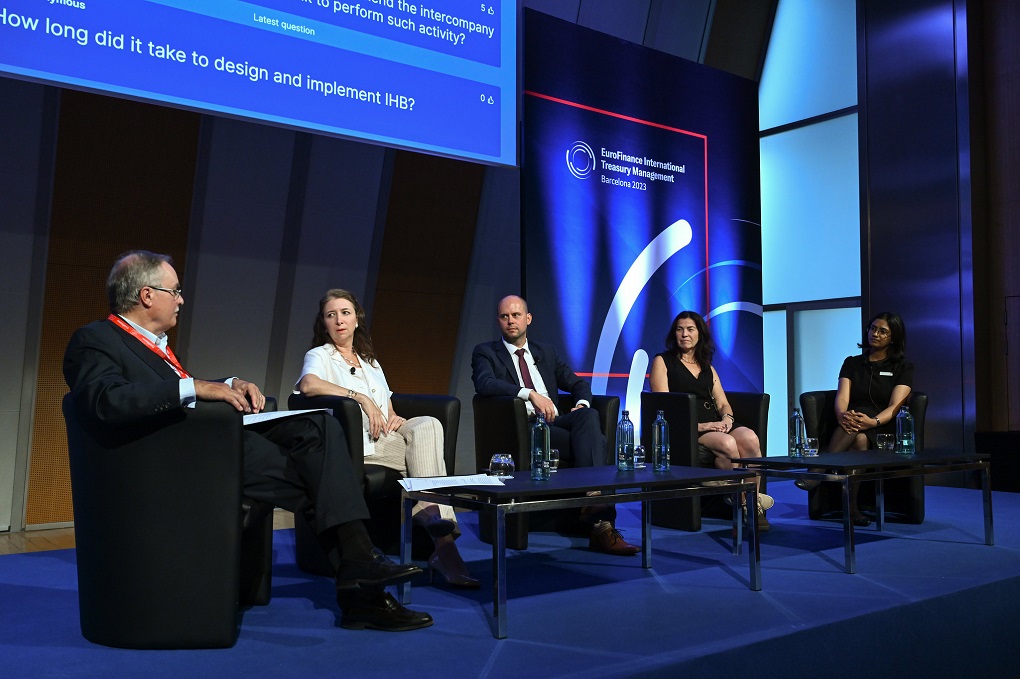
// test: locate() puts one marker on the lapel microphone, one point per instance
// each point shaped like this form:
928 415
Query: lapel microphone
352 369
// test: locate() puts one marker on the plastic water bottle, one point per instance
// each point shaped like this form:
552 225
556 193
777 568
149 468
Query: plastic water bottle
905 432
797 434
625 444
660 443
540 449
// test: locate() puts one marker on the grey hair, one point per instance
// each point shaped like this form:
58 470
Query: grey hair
130 273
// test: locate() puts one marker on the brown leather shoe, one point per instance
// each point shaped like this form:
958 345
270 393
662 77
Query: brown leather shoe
605 538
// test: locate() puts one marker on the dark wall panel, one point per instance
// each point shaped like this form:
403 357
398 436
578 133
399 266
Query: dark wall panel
123 180
915 229
995 58
423 269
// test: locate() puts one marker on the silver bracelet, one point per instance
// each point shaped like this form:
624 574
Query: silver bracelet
730 416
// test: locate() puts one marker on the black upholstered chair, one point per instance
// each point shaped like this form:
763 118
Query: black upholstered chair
904 497
381 484
167 547
502 426
750 409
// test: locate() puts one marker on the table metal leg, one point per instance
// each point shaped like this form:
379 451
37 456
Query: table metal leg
404 588
646 534
499 572
753 548
986 496
738 523
849 557
880 504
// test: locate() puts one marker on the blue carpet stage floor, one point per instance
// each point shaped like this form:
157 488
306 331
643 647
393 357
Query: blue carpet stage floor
930 600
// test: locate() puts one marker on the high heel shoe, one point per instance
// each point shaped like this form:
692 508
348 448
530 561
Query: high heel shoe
860 520
807 484
452 570
437 526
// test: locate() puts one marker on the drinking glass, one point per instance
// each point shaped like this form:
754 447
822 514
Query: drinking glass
639 457
886 441
810 447
554 459
502 466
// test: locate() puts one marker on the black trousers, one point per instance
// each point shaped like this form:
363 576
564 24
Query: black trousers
578 435
302 463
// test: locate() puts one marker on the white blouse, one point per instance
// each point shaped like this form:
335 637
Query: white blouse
327 364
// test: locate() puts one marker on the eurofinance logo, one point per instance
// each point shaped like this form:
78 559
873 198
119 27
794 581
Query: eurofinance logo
580 160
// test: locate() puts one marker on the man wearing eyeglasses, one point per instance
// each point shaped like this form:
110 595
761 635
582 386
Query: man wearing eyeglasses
121 371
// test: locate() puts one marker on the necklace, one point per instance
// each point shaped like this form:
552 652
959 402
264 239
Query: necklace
349 362
688 362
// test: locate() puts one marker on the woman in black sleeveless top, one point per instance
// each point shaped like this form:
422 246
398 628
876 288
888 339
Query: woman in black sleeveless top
686 366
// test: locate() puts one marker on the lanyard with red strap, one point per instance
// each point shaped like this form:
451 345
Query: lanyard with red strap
168 356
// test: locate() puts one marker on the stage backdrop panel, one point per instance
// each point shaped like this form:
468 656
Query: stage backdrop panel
640 199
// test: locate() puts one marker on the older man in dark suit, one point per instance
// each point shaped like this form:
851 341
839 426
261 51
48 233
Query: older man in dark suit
122 374
534 372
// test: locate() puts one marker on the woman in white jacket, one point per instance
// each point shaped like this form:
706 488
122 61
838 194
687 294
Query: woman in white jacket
342 362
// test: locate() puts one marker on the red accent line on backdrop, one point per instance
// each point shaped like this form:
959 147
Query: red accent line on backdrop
615 115
574 104
708 278
606 374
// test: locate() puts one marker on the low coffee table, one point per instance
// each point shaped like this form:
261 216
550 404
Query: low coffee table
568 488
853 467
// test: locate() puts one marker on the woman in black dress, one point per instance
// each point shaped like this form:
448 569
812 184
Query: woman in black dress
686 366
872 387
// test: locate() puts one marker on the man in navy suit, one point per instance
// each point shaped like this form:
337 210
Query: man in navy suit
534 372
123 375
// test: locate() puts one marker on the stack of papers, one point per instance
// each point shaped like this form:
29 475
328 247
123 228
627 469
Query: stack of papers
447 481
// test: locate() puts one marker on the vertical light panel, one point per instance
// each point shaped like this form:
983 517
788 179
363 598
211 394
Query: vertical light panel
810 183
811 64
823 338
811 213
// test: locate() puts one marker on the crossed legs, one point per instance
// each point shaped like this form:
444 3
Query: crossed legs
416 450
841 440
302 464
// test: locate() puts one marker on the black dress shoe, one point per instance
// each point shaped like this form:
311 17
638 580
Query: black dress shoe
377 572
377 609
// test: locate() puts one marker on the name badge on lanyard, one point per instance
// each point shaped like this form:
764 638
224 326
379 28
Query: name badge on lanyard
167 356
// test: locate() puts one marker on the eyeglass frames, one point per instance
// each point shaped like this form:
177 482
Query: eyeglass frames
176 292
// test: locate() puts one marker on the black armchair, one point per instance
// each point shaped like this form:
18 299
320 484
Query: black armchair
381 484
161 529
750 409
502 426
904 497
